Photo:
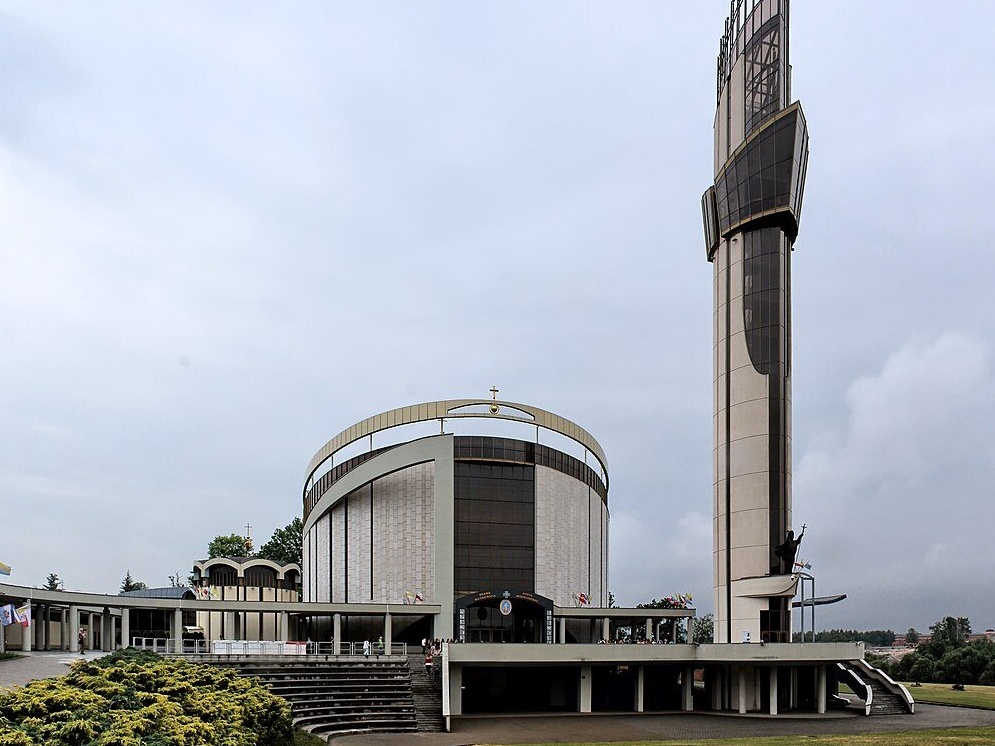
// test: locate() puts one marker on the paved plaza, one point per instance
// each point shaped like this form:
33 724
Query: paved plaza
31 666
677 726
606 728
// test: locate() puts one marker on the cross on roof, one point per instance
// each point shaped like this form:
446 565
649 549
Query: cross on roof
494 392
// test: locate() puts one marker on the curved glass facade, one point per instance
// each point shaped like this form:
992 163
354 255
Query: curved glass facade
765 175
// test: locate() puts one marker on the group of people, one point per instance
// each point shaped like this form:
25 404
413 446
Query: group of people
432 649
373 647
630 641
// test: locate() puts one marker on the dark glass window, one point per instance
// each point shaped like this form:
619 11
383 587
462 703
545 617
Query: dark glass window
494 525
223 575
260 577
764 255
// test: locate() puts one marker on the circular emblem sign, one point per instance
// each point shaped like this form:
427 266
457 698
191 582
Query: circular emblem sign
505 607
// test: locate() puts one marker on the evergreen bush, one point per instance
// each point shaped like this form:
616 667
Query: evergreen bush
134 698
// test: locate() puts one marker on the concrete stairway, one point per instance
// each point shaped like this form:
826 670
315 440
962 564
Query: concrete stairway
336 696
427 693
881 695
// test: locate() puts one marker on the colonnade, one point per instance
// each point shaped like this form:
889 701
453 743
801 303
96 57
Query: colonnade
104 627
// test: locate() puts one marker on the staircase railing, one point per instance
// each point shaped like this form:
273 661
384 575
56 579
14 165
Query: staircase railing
860 688
888 683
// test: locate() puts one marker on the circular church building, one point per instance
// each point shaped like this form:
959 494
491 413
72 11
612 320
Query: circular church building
493 511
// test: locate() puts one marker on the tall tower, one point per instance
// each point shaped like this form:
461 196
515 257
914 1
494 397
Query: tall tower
751 215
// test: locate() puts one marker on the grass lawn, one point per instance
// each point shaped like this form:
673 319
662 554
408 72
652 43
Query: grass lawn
952 737
982 697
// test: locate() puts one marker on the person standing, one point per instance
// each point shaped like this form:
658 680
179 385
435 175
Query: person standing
81 638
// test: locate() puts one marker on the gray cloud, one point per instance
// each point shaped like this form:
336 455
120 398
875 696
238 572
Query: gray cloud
231 235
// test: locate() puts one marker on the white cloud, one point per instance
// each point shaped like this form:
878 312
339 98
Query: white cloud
902 498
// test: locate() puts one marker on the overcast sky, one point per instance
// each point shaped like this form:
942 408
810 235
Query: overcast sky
230 230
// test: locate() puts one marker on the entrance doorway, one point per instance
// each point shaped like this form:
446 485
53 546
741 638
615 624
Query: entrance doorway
505 617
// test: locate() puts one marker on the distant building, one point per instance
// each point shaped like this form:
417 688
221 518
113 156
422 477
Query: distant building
244 579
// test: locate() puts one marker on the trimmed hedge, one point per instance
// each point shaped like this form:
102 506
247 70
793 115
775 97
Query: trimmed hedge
132 698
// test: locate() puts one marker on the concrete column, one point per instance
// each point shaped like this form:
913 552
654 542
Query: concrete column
73 629
584 700
64 629
606 629
177 629
455 690
228 625
793 700
125 628
741 704
687 689
562 632
773 690
284 624
41 630
92 633
690 629
336 633
649 629
387 632
106 631
820 689
640 689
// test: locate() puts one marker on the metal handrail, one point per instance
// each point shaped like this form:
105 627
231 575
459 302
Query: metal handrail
172 645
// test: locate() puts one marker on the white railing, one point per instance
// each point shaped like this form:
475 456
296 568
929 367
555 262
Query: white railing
265 647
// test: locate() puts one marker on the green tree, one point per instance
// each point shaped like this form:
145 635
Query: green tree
129 584
947 634
286 544
961 665
232 545
52 582
911 637
704 630
923 668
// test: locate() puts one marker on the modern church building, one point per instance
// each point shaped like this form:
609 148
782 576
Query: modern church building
402 508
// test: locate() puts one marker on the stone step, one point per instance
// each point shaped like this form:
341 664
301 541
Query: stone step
331 699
